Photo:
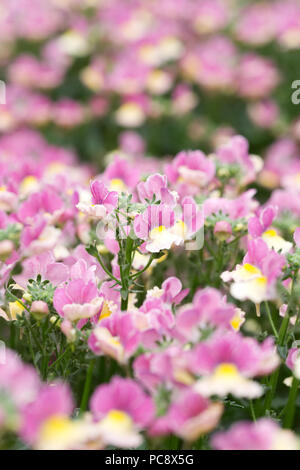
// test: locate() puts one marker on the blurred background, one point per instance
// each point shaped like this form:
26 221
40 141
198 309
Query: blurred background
153 76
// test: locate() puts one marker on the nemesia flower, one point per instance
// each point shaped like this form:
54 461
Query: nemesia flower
120 175
154 226
77 300
257 24
122 409
43 264
255 279
264 113
293 361
259 226
256 76
189 417
115 335
226 364
191 171
235 152
211 63
168 368
19 381
156 185
67 113
103 201
297 236
149 196
265 434
46 416
209 308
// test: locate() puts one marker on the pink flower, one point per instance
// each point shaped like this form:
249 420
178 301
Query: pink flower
77 300
122 409
123 395
239 207
68 113
172 291
46 201
154 226
292 357
236 152
209 308
132 143
103 201
167 368
265 434
20 381
115 336
156 185
259 224
264 113
190 171
101 196
226 362
256 278
211 63
121 174
256 76
222 230
297 236
189 417
45 265
52 401
257 24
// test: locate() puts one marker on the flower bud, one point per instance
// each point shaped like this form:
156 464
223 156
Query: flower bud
39 309
222 230
68 330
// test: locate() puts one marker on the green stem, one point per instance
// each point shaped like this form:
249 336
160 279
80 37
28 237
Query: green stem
274 377
272 389
134 276
106 270
271 320
87 386
252 411
291 404
60 357
126 273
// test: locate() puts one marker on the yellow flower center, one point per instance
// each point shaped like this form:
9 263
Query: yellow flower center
251 269
157 231
270 233
118 417
236 322
116 184
30 182
54 426
226 370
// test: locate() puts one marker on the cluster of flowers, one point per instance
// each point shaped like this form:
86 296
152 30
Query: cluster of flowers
92 275
154 57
